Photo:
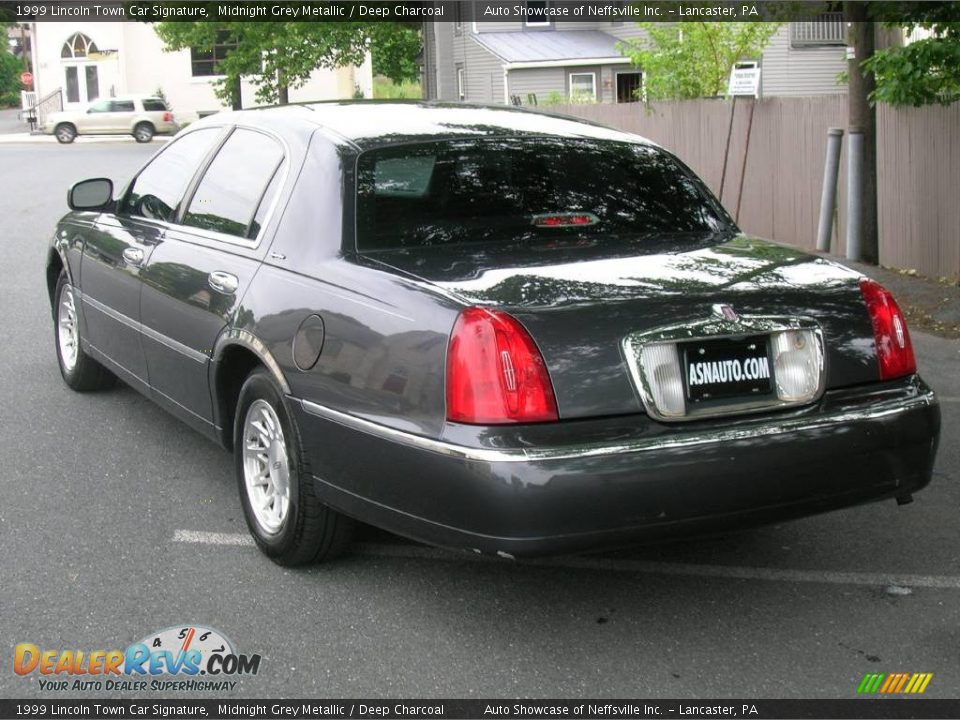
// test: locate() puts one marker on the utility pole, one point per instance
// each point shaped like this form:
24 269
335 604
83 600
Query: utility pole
862 116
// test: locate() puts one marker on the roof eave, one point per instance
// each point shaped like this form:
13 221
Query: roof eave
569 62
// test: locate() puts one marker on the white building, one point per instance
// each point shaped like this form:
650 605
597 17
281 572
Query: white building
89 60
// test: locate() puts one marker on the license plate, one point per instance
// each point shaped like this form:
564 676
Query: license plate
727 369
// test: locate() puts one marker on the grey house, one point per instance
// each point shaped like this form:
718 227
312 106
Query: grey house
531 63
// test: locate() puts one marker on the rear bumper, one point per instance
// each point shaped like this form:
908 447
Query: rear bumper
528 491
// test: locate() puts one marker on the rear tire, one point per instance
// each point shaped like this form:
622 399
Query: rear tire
65 133
143 132
287 520
80 371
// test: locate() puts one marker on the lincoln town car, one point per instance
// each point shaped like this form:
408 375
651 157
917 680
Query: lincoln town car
483 328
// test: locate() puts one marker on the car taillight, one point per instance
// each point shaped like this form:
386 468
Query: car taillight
167 117
495 373
894 349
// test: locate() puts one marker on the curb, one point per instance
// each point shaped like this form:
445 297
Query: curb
28 139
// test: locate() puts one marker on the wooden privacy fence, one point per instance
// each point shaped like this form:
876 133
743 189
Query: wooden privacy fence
918 168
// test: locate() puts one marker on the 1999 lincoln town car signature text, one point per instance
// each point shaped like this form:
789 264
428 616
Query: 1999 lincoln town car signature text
483 328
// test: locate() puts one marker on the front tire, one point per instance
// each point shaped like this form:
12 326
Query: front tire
143 132
80 371
65 133
287 520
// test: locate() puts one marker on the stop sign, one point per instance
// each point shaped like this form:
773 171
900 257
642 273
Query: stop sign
26 79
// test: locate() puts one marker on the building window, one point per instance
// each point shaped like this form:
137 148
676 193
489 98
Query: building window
826 29
537 13
206 63
583 87
461 84
78 45
629 87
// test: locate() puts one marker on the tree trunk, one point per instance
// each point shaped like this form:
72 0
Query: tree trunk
283 91
861 37
236 93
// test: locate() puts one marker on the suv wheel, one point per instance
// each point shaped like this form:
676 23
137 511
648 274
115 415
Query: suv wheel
143 132
65 133
287 520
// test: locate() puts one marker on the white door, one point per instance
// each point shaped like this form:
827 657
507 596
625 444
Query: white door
81 83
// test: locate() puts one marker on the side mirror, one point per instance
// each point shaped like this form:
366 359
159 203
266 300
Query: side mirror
91 195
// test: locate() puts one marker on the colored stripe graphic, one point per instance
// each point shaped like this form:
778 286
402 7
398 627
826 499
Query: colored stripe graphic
894 683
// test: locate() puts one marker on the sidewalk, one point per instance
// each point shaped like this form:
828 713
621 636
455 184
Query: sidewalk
931 306
27 138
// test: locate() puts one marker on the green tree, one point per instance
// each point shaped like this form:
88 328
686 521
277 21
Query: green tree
10 69
693 59
927 70
273 56
394 47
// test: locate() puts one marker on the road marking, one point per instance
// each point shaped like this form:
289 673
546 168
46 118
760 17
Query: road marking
649 567
211 538
948 399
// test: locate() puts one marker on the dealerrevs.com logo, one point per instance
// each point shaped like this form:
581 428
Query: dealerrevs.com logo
181 658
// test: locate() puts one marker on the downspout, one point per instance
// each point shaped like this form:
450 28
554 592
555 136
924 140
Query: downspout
506 86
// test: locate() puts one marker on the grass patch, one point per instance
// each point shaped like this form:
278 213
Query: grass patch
386 89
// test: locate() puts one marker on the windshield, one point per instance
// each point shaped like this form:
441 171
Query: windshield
511 189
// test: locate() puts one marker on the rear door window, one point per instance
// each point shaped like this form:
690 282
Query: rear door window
509 189
121 106
157 191
154 105
228 196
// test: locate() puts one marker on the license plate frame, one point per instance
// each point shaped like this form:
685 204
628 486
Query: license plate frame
727 370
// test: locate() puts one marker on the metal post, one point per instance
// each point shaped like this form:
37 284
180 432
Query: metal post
854 193
746 152
828 198
726 148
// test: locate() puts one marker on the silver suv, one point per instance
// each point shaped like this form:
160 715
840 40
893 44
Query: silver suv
137 115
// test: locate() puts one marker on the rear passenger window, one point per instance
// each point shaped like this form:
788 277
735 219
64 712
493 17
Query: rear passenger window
158 190
121 106
230 193
154 105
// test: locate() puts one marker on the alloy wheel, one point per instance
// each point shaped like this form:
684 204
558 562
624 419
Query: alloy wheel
266 467
68 332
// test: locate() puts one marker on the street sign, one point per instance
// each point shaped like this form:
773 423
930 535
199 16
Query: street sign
26 79
744 81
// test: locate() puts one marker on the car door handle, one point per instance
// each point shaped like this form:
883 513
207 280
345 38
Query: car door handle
133 256
223 282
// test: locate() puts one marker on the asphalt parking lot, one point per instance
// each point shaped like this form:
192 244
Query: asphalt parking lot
116 521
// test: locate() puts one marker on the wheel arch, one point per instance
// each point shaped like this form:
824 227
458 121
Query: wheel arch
56 264
236 354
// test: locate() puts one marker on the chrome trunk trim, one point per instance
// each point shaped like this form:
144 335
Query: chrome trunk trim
717 328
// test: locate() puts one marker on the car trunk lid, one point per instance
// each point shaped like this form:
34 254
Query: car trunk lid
581 300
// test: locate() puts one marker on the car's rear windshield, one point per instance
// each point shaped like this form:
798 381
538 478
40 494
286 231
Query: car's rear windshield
154 105
511 189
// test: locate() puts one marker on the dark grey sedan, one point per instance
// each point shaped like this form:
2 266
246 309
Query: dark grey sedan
482 328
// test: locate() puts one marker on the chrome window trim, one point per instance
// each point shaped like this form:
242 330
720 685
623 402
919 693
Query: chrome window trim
236 240
682 439
719 329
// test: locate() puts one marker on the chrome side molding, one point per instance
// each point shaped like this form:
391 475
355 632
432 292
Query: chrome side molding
769 427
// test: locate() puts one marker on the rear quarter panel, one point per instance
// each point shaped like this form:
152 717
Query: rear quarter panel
385 335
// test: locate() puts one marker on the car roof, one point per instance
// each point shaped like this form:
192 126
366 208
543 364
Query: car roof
375 123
